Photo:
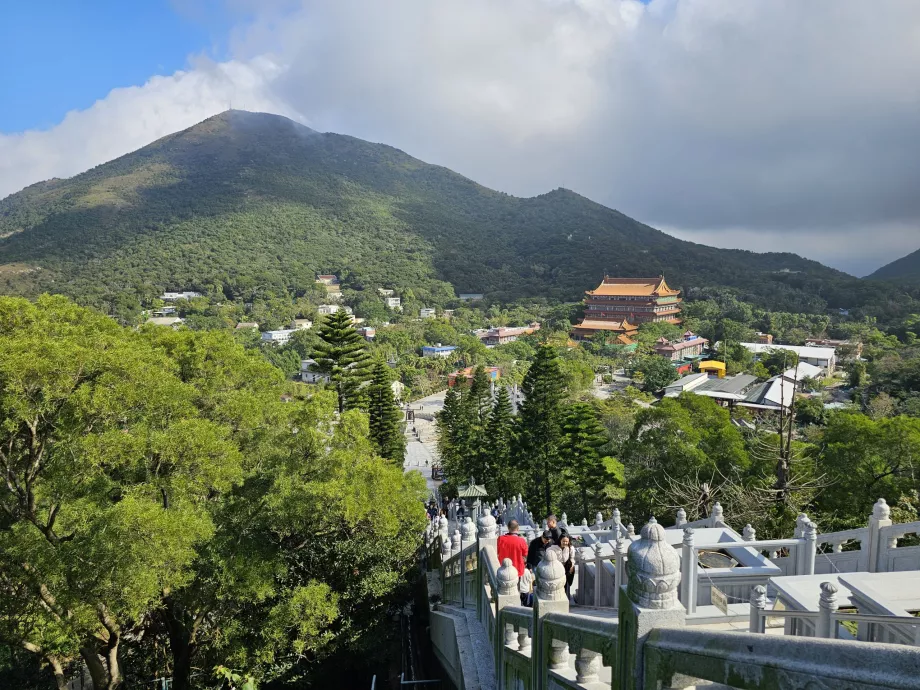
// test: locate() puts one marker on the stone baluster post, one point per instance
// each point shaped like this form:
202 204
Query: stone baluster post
598 520
617 523
881 517
630 530
716 517
544 527
488 528
584 523
649 601
507 595
808 549
550 598
622 549
800 526
749 533
598 574
688 577
827 606
681 518
564 520
758 624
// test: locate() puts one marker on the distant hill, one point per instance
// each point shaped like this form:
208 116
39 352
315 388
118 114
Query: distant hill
249 201
907 267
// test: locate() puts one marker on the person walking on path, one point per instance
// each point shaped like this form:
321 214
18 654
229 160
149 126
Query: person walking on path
552 526
513 546
537 547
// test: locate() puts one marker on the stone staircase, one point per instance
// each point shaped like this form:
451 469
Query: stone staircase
474 665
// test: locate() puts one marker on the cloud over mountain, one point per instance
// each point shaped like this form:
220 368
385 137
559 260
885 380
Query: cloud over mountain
795 124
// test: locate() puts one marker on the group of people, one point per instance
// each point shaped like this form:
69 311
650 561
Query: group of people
526 557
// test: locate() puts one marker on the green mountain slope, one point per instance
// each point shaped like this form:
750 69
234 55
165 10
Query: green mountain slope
907 267
246 201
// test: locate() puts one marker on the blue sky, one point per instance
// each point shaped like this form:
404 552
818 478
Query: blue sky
61 55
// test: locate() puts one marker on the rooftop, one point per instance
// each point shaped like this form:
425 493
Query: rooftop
651 287
805 351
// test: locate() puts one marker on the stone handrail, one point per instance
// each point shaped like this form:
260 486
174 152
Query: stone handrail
593 641
751 661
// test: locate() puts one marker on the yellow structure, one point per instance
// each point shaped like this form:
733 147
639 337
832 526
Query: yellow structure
713 367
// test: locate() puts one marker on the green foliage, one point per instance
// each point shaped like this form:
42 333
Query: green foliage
160 487
777 360
386 430
590 473
865 459
657 372
342 354
685 441
540 427
505 478
810 410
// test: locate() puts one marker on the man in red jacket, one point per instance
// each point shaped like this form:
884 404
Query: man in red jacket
513 546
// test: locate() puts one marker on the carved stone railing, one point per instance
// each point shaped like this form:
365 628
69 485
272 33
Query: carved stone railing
745 660
646 643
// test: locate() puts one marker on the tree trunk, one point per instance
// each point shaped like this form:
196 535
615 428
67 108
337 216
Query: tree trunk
105 676
181 646
549 495
59 679
584 501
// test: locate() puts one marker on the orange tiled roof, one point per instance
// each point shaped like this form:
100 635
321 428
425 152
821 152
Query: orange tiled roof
634 287
598 325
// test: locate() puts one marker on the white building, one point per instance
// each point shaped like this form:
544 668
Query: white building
384 292
173 296
172 321
279 337
308 373
823 357
332 309
301 324
394 303
427 313
687 383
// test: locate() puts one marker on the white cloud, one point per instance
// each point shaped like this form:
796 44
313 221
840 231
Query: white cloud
784 119
129 118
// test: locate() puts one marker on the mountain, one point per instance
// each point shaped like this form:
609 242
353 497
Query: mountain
907 267
249 201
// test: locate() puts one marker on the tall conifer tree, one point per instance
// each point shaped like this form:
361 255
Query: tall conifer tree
385 416
539 424
343 355
583 438
503 478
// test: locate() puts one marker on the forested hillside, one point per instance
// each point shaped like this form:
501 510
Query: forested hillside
907 267
245 203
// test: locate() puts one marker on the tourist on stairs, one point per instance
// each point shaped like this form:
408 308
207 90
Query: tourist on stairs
513 546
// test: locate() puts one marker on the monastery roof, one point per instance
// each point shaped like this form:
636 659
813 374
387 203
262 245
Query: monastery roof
634 287
598 325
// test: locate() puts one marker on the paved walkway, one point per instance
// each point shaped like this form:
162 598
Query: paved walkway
422 449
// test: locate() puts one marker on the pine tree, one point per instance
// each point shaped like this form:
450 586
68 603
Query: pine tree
503 478
450 422
584 436
343 355
539 424
385 417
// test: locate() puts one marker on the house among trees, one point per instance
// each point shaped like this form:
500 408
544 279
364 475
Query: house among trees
427 313
310 374
502 335
620 305
173 296
301 324
243 325
823 357
494 373
470 296
172 321
438 350
279 337
326 309
690 345
327 279
394 303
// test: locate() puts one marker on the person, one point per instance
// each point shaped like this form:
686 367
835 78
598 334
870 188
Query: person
552 525
537 547
567 558
513 546
497 514
525 587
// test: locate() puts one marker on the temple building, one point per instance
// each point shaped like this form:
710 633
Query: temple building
620 305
